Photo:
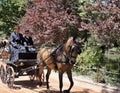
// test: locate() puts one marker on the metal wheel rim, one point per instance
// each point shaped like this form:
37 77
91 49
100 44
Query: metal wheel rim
42 77
3 74
10 77
32 77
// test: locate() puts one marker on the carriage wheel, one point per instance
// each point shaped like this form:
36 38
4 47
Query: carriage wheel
3 74
32 77
10 77
43 77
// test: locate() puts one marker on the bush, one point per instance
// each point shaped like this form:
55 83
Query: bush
89 58
97 65
90 61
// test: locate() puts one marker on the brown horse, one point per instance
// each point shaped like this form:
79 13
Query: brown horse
61 59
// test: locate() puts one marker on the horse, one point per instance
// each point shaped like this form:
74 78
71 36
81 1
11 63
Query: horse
61 59
4 50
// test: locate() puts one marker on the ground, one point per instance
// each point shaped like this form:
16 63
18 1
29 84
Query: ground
24 85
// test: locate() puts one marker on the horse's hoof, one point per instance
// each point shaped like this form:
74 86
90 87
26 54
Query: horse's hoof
48 90
37 86
40 84
66 91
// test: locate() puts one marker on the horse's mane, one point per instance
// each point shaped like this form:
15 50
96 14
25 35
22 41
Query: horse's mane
68 44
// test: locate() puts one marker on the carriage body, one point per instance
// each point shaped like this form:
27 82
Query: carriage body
26 59
25 65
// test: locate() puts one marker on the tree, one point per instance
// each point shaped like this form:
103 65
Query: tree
10 12
50 20
103 18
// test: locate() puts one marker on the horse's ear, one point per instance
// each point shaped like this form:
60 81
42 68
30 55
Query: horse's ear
74 38
71 39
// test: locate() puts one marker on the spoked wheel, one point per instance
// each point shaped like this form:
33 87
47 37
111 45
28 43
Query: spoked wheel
43 77
32 77
10 77
3 74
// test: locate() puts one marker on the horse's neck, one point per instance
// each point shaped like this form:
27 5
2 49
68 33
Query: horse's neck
66 49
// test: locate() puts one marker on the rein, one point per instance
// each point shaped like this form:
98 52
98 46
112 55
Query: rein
70 56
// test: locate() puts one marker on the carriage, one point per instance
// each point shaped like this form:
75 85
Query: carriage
25 65
61 58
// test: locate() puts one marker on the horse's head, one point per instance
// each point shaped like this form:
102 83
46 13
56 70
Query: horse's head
72 50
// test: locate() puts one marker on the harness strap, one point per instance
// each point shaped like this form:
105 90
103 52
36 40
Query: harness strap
53 54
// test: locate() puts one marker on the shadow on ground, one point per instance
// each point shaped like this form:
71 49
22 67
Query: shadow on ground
53 91
28 84
32 85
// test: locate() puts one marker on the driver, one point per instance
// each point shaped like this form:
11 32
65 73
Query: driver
28 42
16 39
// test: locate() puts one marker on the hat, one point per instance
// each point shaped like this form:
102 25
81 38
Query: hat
17 27
26 31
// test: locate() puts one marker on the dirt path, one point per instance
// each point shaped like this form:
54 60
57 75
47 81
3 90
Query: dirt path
24 85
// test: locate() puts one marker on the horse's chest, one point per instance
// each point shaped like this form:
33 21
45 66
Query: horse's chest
64 66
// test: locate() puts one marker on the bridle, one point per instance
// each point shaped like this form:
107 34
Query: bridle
72 53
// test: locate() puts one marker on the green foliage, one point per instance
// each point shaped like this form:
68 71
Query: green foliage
97 65
89 58
10 12
83 13
73 31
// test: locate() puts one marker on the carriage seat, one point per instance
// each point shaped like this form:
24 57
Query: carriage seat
27 55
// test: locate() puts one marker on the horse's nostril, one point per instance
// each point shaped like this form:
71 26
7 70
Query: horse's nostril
73 62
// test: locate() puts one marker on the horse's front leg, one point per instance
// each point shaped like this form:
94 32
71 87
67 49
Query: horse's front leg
60 81
47 77
69 74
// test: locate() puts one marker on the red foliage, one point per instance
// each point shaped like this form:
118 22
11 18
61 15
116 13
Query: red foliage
107 23
47 20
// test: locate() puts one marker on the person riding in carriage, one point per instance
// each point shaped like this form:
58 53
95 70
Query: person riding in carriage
28 42
16 40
